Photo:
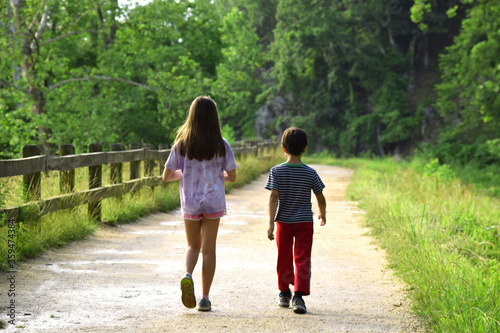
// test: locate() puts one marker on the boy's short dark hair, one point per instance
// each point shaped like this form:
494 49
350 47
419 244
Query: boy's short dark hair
294 140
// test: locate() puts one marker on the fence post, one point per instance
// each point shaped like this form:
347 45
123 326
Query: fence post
134 165
162 146
149 165
67 178
32 182
116 168
237 145
95 181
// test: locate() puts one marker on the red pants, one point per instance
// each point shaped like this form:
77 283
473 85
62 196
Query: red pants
300 277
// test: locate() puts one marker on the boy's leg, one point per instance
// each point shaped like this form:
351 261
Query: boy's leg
209 230
284 241
302 255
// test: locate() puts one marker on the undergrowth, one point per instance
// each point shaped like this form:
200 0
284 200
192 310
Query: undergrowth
441 235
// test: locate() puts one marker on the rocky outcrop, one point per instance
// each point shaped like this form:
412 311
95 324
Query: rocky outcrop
265 116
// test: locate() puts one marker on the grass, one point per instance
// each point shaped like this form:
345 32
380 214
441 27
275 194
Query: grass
485 178
442 236
249 168
59 228
50 183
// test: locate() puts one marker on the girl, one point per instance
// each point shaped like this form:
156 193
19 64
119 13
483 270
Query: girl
203 161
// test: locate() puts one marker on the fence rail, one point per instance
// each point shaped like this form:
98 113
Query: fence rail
30 167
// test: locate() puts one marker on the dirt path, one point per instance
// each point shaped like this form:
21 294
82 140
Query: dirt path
126 278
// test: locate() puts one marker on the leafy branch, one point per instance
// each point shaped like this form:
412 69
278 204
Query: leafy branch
69 34
99 77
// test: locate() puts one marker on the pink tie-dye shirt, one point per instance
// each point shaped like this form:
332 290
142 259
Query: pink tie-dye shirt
202 182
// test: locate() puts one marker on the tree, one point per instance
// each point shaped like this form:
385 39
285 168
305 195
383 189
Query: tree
94 72
41 38
469 95
339 66
238 82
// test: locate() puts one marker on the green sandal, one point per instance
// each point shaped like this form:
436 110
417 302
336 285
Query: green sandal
187 287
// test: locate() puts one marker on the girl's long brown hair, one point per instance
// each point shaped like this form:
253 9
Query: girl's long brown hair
200 135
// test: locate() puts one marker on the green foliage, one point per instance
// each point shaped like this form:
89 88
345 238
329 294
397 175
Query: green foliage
228 133
132 206
237 84
353 97
486 178
392 110
250 167
494 147
3 191
448 240
54 230
469 93
440 171
451 149
418 11
87 71
104 73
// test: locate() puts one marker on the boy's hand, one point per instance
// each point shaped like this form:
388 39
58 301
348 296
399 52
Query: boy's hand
322 219
273 206
322 208
270 231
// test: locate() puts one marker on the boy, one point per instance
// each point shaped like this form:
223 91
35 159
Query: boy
290 206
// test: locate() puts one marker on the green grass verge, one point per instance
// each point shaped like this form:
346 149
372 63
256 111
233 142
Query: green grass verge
51 231
442 236
61 227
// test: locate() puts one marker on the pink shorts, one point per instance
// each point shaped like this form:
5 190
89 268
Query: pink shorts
212 216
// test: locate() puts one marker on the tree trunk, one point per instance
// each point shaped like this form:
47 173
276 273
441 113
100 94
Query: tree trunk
105 38
112 33
44 133
379 144
30 55
108 39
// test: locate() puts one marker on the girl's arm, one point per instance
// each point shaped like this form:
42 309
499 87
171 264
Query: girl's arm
230 176
169 175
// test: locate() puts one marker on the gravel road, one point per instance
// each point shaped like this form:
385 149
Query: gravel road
126 278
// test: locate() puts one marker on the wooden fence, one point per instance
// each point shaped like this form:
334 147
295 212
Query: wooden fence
32 164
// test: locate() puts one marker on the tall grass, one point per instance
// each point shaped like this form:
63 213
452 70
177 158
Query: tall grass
442 237
131 206
59 228
53 230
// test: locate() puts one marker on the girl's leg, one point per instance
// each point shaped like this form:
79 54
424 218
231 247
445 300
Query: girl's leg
193 237
209 229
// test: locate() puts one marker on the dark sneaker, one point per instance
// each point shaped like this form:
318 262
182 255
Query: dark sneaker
204 305
298 305
187 288
284 299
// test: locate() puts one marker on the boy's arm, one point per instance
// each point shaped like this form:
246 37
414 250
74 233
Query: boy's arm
273 206
322 208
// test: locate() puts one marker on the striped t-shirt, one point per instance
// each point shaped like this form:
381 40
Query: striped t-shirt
294 183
